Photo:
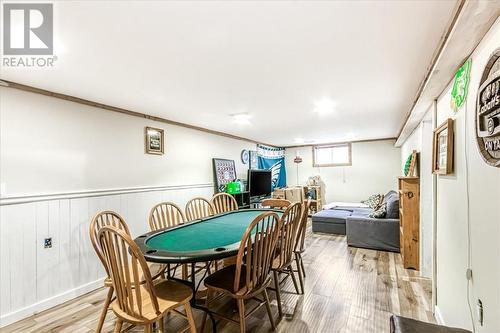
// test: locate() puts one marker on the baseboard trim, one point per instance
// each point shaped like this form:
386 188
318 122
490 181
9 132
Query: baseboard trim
48 303
439 316
21 199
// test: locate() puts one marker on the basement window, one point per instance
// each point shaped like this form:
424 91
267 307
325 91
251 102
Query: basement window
332 155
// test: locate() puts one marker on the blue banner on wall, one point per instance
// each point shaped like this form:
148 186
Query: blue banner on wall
271 158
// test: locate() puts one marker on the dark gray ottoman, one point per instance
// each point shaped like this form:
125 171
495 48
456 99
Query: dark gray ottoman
407 325
330 221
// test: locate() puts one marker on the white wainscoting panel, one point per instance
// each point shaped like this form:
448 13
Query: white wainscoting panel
33 278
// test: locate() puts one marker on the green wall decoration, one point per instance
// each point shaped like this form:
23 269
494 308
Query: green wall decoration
407 165
411 161
460 86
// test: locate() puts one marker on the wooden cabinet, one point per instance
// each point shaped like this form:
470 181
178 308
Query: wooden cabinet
409 214
314 193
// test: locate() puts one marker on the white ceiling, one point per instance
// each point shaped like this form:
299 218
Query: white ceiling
198 62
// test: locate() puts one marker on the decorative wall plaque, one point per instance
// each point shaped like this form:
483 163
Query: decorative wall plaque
460 86
153 140
443 148
488 112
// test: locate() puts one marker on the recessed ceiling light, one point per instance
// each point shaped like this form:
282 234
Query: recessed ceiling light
241 118
324 106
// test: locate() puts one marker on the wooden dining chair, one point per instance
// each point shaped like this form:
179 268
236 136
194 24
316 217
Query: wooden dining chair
103 219
198 208
223 203
300 242
284 256
165 215
275 203
250 276
139 301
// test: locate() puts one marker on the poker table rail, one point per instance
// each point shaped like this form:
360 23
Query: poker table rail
211 230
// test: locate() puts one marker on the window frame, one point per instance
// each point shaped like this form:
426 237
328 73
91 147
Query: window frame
346 144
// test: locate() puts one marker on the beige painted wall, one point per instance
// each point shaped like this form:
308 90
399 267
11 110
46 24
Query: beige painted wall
375 168
50 145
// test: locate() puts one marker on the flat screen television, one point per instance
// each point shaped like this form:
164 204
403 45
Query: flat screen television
259 183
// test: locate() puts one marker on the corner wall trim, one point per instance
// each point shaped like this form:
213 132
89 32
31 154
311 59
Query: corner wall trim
35 90
435 57
339 142
21 199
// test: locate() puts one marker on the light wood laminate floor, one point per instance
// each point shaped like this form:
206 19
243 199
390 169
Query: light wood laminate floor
347 290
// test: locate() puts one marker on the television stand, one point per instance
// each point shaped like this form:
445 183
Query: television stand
243 199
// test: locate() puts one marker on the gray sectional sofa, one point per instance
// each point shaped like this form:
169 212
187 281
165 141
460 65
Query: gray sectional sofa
362 230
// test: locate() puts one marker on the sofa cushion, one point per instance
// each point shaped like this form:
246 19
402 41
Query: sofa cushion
380 212
392 208
363 212
389 194
372 233
332 216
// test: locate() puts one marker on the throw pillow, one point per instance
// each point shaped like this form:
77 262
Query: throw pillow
392 207
380 212
374 201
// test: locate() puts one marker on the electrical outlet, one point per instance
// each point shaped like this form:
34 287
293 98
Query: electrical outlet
480 312
47 243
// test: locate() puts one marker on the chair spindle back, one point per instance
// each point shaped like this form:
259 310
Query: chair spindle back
301 230
290 221
256 251
276 203
101 220
165 215
223 202
198 208
126 264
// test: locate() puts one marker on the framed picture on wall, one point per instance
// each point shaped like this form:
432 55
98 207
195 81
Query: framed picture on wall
443 149
153 141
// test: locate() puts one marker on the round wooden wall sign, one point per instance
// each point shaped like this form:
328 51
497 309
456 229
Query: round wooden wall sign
488 112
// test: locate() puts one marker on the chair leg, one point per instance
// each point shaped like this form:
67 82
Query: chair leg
161 328
205 315
268 308
190 318
294 279
278 293
241 310
109 296
302 265
184 272
209 271
299 270
147 328
118 325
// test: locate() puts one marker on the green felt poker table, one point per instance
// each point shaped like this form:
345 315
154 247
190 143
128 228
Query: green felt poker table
208 239
205 240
